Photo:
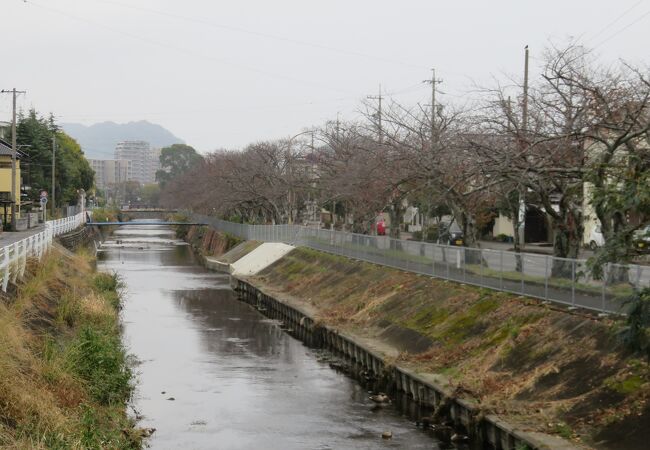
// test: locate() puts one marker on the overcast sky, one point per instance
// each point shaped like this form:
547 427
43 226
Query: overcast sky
223 74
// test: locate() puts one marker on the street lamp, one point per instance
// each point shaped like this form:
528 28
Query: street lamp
290 195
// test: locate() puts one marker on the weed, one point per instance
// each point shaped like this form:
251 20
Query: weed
107 282
563 430
59 349
68 309
100 360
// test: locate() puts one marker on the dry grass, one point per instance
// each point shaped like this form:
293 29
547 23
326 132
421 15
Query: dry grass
528 362
45 402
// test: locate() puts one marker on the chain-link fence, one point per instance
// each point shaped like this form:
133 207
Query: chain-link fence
561 280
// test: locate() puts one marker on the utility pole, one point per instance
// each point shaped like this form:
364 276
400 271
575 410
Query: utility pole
14 149
433 81
338 127
53 174
379 97
524 109
524 126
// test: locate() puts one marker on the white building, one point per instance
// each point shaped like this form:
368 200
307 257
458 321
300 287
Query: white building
110 171
145 161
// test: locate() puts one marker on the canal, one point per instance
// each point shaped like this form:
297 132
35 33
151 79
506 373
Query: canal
213 373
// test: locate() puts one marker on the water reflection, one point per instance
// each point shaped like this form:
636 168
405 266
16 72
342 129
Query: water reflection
216 374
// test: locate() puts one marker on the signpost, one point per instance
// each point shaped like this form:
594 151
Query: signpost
43 203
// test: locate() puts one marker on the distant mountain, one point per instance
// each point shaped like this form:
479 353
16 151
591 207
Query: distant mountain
98 141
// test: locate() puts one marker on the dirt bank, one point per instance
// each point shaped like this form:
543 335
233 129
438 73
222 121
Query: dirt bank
543 368
64 380
206 241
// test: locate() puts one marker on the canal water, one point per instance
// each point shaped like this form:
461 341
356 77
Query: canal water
213 373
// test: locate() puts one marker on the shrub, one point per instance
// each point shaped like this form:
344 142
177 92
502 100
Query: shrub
107 282
105 215
636 333
432 233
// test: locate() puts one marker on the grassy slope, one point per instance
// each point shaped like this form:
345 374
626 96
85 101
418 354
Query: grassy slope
556 372
63 374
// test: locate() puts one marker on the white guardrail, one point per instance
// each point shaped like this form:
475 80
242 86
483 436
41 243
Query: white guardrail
13 257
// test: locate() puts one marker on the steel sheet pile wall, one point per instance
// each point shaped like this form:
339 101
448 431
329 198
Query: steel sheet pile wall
463 413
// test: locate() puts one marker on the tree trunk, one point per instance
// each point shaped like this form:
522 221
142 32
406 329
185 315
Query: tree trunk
396 213
516 225
467 225
567 240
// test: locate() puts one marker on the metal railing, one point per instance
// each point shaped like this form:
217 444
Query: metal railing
13 257
560 280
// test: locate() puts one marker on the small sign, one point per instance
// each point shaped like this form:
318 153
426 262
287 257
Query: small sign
43 195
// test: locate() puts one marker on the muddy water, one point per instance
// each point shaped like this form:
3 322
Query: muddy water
213 373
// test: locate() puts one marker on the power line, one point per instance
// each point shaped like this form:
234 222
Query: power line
638 19
246 108
182 49
260 34
610 24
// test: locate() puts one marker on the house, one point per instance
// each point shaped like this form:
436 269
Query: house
5 182
5 131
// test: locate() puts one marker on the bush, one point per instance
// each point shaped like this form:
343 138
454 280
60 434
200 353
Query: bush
108 284
105 215
181 230
432 233
636 334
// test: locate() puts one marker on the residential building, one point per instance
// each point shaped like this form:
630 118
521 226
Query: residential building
110 171
145 161
5 131
5 182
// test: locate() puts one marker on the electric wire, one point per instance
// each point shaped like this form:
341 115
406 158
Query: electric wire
261 34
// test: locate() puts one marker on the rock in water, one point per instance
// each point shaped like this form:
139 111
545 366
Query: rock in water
459 438
380 398
387 435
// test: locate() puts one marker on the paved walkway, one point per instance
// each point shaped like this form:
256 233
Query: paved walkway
539 248
542 249
9 237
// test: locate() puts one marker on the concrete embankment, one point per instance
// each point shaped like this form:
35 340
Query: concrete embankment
519 373
539 369
84 237
64 379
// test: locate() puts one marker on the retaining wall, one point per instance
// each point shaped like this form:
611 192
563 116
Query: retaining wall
80 237
424 389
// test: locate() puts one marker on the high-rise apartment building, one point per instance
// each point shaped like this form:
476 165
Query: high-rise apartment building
110 171
145 161
152 164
